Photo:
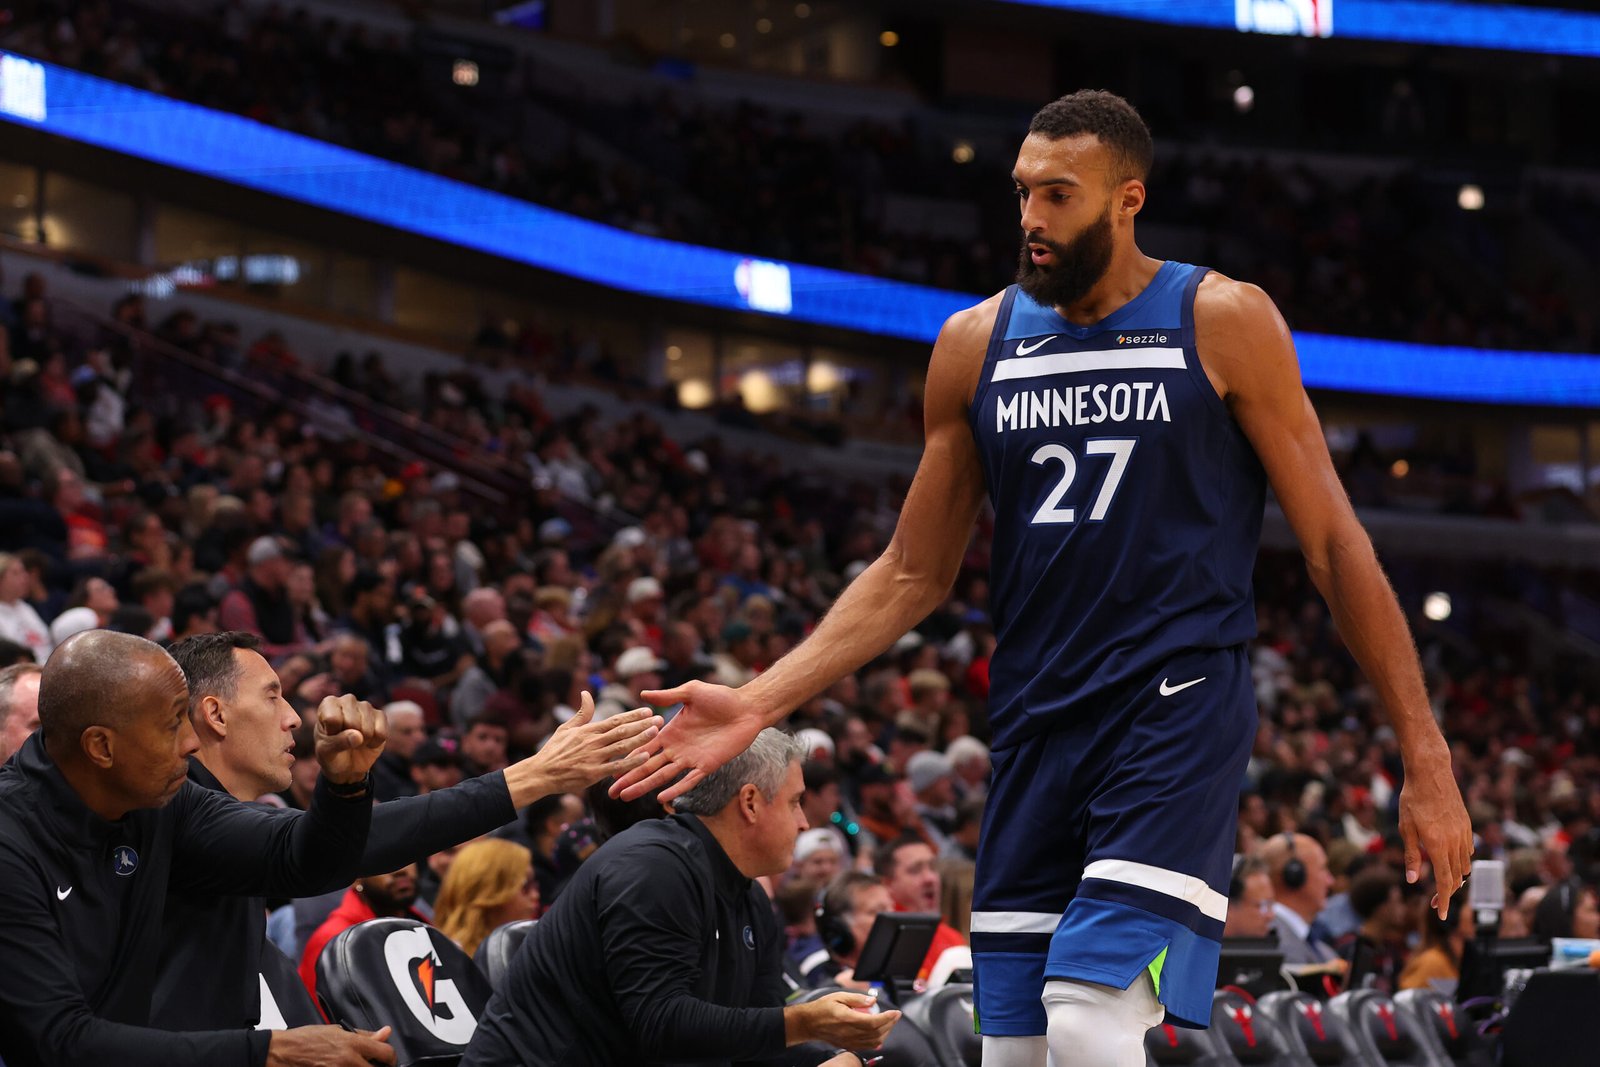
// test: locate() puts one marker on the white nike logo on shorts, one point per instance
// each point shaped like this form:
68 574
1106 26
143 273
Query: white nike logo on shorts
63 894
1167 690
1023 348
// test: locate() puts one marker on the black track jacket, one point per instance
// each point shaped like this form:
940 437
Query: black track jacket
81 903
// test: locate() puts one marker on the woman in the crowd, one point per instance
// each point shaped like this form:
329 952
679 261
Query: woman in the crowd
489 884
1439 959
18 621
1568 909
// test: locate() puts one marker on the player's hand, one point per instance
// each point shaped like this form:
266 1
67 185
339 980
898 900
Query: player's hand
841 1019
1433 819
329 1046
350 738
581 752
715 724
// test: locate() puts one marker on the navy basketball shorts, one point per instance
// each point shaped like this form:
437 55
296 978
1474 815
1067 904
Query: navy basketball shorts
1107 843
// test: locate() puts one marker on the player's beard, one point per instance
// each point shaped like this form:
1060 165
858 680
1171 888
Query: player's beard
1077 265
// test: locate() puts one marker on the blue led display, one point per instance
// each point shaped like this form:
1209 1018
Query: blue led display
246 153
1433 22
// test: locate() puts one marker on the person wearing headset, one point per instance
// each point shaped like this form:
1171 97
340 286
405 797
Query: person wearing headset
846 909
1300 883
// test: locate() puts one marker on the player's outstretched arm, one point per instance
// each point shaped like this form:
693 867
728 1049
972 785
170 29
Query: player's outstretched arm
892 595
1249 354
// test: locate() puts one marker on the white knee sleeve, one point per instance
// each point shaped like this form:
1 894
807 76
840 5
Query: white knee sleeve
1016 1052
1092 1025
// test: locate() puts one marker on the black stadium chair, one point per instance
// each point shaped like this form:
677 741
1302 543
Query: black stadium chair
1450 1035
402 973
945 1016
1378 1031
495 954
1310 1030
1253 1036
1167 1044
285 1003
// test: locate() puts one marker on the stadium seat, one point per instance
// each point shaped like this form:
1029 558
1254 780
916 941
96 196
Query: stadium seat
908 1044
1253 1036
1311 1032
403 973
1449 1034
1378 1032
945 1016
284 1001
1168 1044
494 956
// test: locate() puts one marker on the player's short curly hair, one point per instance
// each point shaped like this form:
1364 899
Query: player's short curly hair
1110 118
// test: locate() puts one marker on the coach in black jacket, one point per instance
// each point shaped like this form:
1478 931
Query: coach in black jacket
211 948
97 822
662 950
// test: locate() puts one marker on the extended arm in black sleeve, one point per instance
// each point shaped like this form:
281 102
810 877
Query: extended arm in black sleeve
44 1014
652 930
226 846
409 827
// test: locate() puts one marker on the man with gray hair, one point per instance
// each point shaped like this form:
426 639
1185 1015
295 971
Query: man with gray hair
19 706
662 948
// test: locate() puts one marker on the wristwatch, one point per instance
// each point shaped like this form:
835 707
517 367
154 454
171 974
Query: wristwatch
350 790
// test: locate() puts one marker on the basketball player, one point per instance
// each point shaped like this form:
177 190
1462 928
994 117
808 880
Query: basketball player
1125 416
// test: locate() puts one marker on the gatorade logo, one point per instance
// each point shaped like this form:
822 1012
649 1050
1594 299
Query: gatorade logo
432 998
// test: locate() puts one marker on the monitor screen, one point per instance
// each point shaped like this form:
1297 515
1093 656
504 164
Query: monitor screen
896 947
1254 964
1484 964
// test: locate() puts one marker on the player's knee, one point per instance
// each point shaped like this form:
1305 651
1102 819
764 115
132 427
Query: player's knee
1016 1052
1098 1025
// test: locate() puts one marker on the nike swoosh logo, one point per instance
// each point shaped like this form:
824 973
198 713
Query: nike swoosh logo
63 894
1023 349
1167 690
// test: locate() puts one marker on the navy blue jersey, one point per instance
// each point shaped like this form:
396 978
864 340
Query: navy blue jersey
1127 503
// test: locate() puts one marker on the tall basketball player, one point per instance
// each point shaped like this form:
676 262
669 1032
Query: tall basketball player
1125 416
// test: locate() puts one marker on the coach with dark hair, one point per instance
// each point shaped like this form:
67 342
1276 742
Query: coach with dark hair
97 822
661 949
212 948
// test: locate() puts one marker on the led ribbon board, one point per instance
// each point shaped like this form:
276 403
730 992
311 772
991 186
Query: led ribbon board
243 152
1433 22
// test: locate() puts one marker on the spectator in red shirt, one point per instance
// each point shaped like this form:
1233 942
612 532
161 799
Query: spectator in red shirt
907 867
385 896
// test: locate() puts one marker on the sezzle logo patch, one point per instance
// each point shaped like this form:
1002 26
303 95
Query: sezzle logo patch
1305 18
433 999
1141 338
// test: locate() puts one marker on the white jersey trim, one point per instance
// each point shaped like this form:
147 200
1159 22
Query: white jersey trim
1006 370
1188 888
1015 922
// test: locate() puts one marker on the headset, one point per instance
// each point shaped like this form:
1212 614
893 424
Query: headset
1294 868
836 934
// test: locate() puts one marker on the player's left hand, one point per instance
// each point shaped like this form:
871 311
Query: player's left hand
1434 819
350 737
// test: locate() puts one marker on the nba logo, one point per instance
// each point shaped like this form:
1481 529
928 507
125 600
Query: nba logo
1307 18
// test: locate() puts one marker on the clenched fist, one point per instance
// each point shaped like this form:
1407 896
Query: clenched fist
350 738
